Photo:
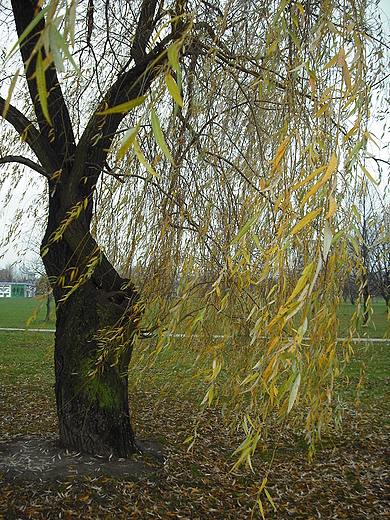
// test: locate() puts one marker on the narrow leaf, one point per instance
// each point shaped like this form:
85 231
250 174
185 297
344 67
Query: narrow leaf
124 107
61 42
41 86
127 141
142 159
269 498
329 171
158 135
245 229
294 39
302 281
332 62
10 91
55 49
306 219
294 392
174 90
327 239
367 173
286 385
173 57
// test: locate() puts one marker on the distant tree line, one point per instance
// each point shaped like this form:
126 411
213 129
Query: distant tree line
371 278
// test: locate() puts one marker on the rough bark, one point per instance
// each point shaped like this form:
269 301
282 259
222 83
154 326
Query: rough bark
91 375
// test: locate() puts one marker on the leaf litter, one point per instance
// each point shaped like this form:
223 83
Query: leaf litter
349 476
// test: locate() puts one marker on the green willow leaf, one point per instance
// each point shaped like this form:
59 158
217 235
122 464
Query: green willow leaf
173 57
245 229
142 159
61 43
55 49
124 107
158 135
294 392
41 86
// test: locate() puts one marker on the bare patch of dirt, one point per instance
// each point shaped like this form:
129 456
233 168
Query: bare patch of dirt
40 457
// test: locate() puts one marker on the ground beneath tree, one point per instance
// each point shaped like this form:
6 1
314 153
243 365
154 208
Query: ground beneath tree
348 478
40 457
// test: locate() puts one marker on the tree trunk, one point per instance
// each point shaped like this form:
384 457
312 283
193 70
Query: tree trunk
96 320
366 309
91 377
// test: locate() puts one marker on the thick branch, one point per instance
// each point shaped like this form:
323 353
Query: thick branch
144 29
64 143
23 160
38 144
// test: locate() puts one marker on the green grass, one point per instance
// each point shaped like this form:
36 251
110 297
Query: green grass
377 326
15 312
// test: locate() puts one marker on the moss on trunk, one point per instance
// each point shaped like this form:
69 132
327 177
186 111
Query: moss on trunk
91 373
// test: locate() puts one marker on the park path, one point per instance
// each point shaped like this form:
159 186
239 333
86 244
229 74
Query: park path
355 340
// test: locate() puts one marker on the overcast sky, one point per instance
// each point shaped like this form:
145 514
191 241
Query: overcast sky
13 254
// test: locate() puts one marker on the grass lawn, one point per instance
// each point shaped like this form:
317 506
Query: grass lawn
378 325
18 312
349 476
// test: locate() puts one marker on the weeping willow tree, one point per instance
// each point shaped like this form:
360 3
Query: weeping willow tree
201 162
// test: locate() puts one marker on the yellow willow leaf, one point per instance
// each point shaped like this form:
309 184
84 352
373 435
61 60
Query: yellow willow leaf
346 76
123 107
10 91
265 479
280 152
321 110
298 304
260 504
353 129
332 62
302 281
341 58
309 177
326 94
41 86
369 136
158 135
174 90
329 171
313 87
142 159
332 207
273 46
367 173
269 499
127 141
306 219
